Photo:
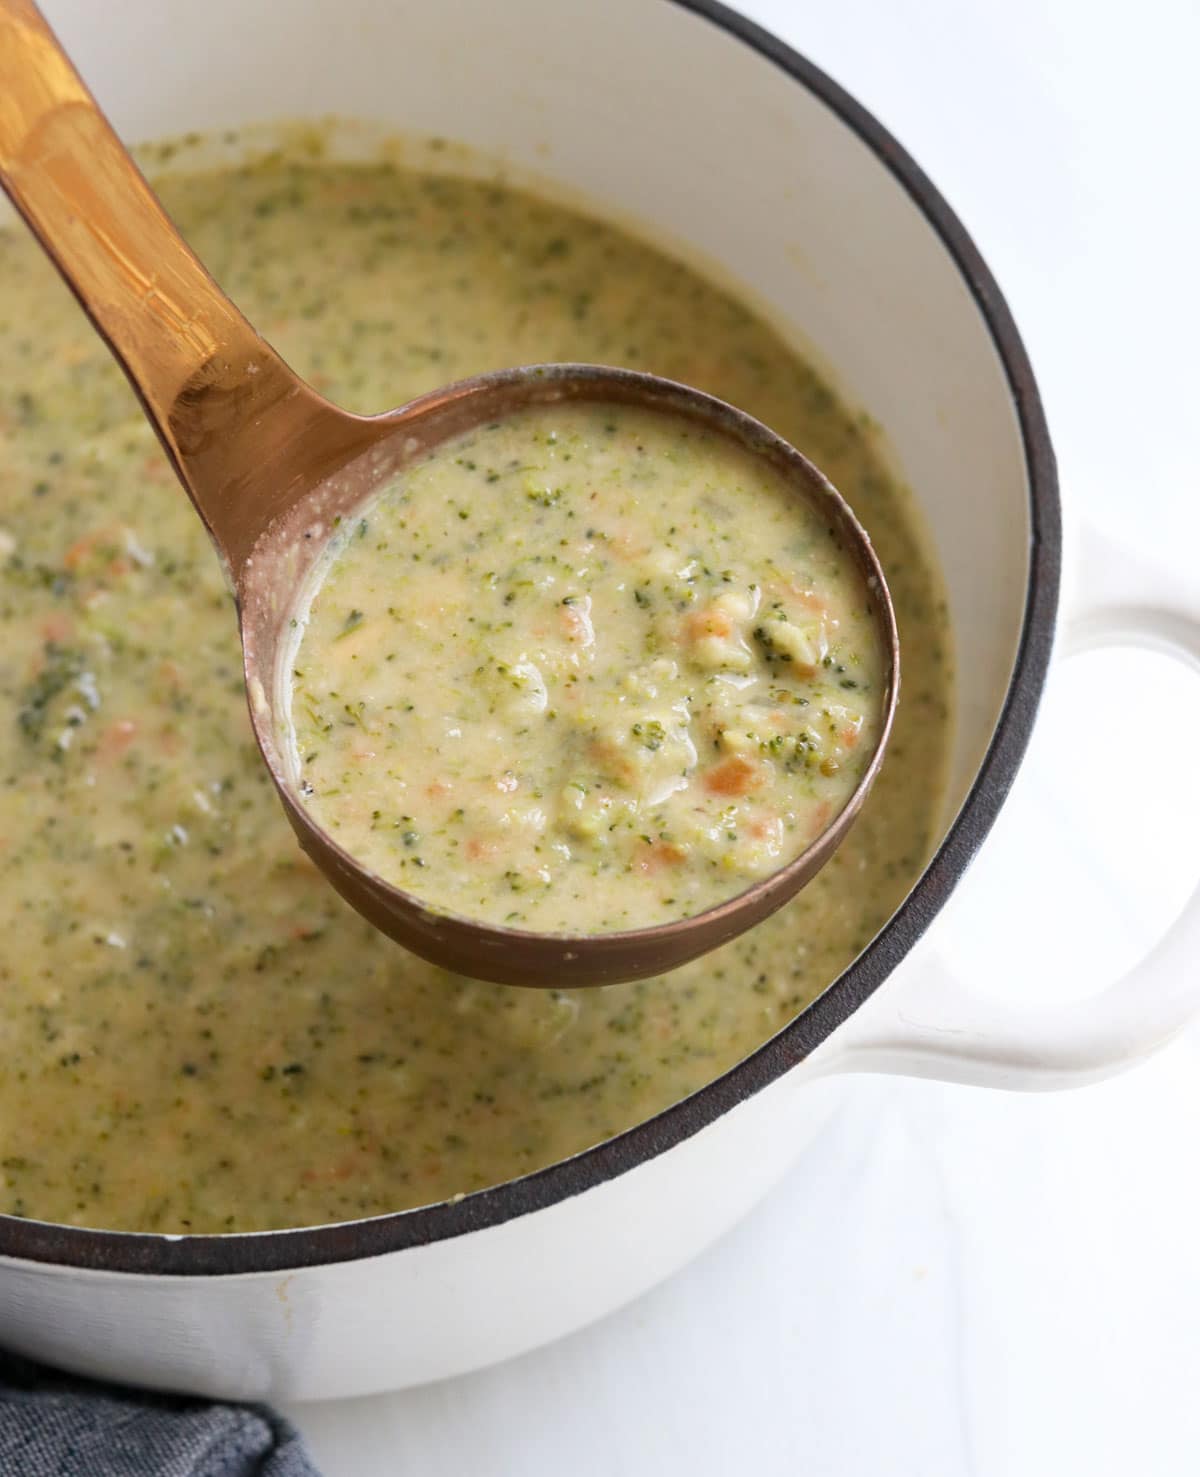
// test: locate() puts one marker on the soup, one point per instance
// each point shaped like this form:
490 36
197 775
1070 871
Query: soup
588 668
197 1034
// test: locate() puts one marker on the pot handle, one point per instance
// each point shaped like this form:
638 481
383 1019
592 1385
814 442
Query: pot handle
935 1026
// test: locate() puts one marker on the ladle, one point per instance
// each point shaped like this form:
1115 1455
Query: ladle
269 464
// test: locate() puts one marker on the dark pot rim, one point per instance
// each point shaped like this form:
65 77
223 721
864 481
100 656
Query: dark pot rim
267 1251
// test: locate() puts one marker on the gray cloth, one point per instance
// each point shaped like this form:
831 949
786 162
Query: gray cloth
54 1425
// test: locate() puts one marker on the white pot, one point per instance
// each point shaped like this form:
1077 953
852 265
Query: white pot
680 117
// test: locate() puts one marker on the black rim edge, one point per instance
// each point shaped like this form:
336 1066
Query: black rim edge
269 1251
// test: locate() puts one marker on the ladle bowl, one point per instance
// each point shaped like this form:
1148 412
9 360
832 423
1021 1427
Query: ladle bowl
269 590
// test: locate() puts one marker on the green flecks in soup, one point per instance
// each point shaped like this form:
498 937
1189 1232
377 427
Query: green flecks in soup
588 668
196 1033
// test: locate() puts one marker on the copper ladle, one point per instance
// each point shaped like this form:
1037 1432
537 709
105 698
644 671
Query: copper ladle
268 463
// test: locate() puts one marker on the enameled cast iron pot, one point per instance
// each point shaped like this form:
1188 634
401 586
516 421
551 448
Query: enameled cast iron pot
682 118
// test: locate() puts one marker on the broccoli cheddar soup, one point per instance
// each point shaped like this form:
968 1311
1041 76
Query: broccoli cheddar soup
591 667
195 1033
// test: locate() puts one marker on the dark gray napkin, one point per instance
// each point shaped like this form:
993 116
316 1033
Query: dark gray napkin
54 1425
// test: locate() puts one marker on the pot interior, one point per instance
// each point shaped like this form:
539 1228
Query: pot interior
651 114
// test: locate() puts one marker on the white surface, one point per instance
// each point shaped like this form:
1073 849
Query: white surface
956 1281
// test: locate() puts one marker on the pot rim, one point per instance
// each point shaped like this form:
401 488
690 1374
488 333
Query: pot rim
155 1254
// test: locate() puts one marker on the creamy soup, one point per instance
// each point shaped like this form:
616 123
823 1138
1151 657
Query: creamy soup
195 1033
585 669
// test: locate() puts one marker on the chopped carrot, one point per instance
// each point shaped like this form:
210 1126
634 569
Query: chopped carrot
116 739
849 734
809 599
439 787
82 549
733 776
625 548
343 1169
477 849
57 626
612 761
657 855
101 541
708 622
79 550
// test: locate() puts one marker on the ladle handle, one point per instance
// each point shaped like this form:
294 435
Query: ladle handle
207 380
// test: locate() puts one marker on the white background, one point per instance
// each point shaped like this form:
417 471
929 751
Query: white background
959 1283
